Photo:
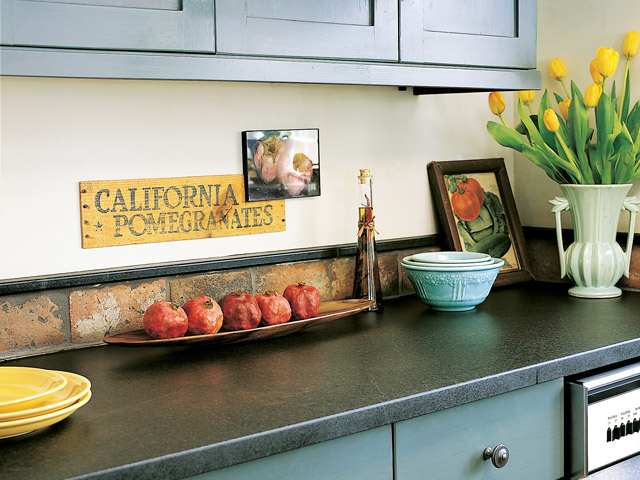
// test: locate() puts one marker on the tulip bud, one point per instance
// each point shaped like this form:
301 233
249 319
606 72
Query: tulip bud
527 96
551 120
557 70
592 95
564 109
496 103
595 74
631 44
607 59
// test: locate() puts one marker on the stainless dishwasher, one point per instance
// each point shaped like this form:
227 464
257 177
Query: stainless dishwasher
603 414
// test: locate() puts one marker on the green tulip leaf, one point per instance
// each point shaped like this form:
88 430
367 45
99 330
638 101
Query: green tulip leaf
505 136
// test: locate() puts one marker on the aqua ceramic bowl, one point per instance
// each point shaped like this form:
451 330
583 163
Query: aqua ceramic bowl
453 289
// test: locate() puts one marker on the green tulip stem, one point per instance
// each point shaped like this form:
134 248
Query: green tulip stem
624 84
566 92
604 82
503 122
566 151
530 110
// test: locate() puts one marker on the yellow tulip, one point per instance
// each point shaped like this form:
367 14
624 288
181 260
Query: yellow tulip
557 70
551 120
595 74
527 96
592 95
631 44
607 59
564 109
496 103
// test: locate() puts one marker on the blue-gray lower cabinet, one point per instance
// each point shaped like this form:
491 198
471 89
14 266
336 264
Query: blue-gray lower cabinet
449 444
361 456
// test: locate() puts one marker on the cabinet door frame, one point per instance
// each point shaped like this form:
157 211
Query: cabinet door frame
472 50
95 26
240 34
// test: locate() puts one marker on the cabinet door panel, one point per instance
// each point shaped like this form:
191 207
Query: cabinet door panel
361 456
449 444
163 25
362 29
497 33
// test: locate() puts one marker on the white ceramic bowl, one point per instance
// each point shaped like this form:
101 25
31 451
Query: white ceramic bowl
412 263
449 257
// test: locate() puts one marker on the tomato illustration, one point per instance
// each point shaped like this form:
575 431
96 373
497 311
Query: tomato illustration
466 204
472 185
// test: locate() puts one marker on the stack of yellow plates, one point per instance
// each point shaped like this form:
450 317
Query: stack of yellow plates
33 398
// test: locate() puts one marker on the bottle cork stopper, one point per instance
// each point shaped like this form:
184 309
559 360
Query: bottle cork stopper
364 174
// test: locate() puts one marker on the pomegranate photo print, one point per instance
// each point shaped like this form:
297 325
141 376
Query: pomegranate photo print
281 163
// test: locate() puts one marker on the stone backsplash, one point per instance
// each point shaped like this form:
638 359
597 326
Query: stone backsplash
46 321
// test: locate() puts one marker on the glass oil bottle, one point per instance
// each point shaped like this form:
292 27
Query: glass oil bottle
366 282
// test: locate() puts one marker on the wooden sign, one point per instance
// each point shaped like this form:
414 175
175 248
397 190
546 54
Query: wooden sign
125 212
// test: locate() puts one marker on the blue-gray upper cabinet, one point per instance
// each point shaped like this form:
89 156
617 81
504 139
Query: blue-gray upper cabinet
490 33
357 29
158 25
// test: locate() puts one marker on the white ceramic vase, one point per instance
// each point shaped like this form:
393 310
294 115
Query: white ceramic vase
594 261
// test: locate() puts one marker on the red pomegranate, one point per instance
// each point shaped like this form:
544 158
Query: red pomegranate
274 307
240 311
165 320
304 300
204 314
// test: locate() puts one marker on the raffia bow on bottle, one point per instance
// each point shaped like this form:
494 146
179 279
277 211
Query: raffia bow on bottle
369 225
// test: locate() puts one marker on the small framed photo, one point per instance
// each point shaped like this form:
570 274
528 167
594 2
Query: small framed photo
281 163
477 213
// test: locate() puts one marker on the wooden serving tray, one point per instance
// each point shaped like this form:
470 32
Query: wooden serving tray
328 311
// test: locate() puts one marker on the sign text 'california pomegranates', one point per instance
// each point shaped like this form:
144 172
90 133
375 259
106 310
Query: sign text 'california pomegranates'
125 212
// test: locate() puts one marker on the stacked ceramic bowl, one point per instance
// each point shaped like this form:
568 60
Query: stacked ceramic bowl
452 281
34 398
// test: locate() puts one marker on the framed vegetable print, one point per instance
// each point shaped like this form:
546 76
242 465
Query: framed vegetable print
477 213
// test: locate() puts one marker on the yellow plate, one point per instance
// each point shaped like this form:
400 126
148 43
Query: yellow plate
26 425
77 386
23 387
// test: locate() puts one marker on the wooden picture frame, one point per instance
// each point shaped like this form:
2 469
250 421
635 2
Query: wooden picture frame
281 164
485 221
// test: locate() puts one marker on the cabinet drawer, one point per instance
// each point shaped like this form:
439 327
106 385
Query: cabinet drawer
364 456
449 444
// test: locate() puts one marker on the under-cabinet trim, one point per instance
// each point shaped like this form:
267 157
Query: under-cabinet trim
73 63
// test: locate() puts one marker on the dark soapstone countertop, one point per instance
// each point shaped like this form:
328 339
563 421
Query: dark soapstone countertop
171 412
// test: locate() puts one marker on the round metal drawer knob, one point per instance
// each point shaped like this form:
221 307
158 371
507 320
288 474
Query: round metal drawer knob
499 455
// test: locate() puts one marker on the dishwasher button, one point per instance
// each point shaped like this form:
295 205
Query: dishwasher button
609 434
616 433
629 428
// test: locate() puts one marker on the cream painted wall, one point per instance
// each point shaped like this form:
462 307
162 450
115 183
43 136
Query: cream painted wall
57 132
573 31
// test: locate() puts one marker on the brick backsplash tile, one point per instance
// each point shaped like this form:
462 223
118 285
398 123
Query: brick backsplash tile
215 285
109 310
342 272
545 262
388 265
31 323
278 277
634 271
